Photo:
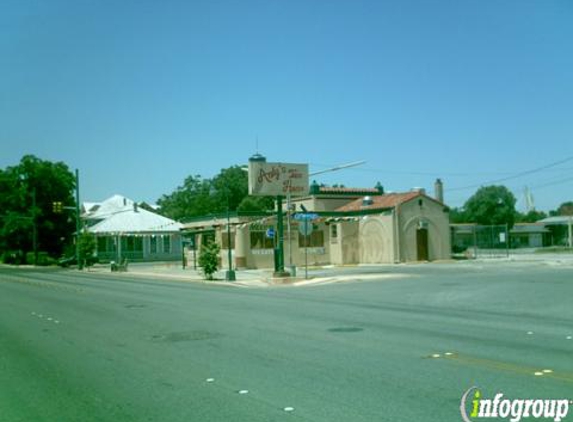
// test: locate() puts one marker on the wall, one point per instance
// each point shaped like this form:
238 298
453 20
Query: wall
344 250
246 257
376 239
438 224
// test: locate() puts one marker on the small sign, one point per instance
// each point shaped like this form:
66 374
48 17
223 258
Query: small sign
305 216
305 228
502 237
270 233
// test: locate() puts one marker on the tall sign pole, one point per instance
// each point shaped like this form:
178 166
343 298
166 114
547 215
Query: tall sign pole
278 180
78 224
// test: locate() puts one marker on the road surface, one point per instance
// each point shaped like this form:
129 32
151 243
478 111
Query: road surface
405 347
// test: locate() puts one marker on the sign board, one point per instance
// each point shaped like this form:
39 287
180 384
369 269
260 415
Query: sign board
305 228
502 237
270 233
305 216
277 179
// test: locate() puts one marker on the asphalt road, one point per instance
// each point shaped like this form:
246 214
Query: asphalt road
88 347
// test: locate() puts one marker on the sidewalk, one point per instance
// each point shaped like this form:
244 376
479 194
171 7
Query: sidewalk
244 278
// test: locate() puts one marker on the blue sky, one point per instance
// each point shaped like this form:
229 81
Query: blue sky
140 94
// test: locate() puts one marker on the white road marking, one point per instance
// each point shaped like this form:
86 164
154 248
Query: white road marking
547 371
243 391
288 409
210 380
538 374
436 355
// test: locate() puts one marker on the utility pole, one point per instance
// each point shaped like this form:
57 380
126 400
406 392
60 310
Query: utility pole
570 231
34 227
230 276
280 264
78 223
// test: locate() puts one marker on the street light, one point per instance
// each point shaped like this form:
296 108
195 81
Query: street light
230 273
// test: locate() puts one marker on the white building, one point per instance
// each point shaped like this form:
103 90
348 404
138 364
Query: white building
124 230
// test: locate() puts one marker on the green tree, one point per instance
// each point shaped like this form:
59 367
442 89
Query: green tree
209 259
86 248
41 182
531 217
256 203
458 216
566 208
491 205
200 196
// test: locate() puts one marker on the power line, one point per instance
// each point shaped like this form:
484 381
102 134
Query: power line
556 182
515 176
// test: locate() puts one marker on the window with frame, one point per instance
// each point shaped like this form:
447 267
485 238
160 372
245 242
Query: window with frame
334 233
167 244
225 240
102 243
259 240
153 244
131 243
314 240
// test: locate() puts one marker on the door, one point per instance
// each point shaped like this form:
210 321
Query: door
422 244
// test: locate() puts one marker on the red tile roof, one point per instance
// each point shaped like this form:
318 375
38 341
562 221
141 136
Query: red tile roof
386 201
326 189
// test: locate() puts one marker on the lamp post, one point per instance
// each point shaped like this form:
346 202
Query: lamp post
230 273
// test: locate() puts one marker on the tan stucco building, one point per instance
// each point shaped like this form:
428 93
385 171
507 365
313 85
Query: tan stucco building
354 226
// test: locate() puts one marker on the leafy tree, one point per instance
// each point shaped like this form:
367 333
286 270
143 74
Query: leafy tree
190 200
566 208
41 182
458 216
491 205
209 259
256 203
531 217
86 248
200 196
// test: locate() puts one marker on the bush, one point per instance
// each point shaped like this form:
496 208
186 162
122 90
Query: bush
13 257
209 259
86 249
43 259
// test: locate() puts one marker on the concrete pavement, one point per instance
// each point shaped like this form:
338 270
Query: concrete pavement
92 347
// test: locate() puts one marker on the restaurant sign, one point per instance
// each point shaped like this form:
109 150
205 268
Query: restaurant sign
277 179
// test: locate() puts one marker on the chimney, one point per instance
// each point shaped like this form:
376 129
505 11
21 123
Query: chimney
439 190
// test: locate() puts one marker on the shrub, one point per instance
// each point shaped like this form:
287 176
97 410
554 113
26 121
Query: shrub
209 259
43 259
13 257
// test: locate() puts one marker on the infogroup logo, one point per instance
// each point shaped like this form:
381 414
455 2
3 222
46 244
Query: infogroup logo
474 407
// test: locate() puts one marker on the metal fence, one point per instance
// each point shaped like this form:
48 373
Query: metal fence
477 241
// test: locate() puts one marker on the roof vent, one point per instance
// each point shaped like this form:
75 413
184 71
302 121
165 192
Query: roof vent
367 200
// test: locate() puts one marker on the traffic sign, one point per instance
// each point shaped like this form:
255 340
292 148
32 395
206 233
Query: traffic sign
270 233
305 216
305 228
